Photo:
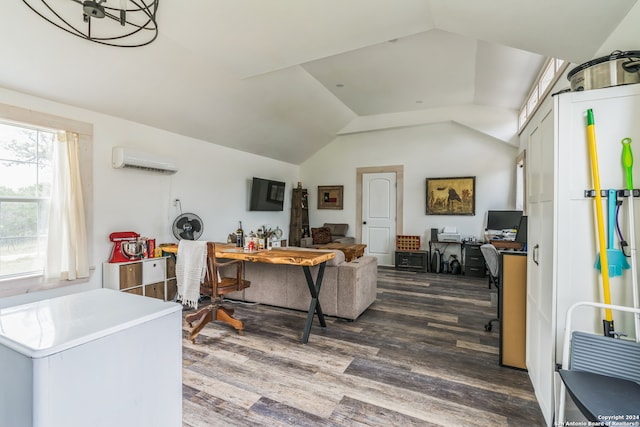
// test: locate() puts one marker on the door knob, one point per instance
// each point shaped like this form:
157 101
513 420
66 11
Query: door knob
364 222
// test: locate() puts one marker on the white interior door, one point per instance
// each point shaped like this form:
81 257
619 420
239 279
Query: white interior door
379 215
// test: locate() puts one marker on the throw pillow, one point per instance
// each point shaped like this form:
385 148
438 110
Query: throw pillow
321 235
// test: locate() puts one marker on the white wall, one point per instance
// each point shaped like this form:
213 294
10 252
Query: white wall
429 151
213 182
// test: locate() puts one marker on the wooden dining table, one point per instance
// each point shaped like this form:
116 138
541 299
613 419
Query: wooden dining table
283 256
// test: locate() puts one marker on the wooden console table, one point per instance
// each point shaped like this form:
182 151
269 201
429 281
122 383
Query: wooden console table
305 259
351 251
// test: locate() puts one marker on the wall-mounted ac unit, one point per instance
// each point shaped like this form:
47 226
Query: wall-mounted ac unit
128 158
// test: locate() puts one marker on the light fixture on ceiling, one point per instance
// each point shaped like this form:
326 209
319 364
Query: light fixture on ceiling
132 23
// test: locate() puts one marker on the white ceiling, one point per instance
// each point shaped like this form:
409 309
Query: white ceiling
282 78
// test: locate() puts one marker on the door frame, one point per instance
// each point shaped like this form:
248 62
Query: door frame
399 171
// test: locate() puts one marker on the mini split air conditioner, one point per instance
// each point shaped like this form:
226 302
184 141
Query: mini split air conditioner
128 158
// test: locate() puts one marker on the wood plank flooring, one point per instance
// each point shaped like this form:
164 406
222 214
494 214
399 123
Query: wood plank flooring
419 356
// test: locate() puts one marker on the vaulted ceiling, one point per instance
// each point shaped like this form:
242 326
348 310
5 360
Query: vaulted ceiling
282 78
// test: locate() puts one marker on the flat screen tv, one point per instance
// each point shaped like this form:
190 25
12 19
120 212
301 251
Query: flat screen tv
503 220
266 195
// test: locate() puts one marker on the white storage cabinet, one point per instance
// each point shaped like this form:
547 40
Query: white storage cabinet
149 277
562 246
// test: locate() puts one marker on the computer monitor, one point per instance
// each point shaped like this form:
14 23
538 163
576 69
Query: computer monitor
503 220
521 235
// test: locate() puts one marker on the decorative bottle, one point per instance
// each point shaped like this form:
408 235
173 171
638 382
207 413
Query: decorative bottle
239 235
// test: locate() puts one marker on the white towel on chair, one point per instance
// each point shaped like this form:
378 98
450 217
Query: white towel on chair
191 266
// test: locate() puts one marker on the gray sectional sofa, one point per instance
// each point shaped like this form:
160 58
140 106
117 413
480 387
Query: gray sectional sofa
348 288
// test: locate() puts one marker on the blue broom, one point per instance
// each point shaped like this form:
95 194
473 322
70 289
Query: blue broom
616 260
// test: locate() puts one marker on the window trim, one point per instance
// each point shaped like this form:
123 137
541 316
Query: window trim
559 66
30 118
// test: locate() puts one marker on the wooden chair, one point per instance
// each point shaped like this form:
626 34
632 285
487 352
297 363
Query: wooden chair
217 286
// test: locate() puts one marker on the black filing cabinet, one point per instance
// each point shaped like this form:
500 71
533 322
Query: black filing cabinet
412 261
473 260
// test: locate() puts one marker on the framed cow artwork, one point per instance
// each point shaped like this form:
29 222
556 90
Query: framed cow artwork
451 196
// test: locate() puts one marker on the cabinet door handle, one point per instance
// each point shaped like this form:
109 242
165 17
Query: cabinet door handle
535 254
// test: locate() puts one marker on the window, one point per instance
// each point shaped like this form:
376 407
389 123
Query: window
25 189
546 78
29 143
533 100
522 117
551 71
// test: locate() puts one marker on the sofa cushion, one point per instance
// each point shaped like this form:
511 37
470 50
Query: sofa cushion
321 235
337 229
346 240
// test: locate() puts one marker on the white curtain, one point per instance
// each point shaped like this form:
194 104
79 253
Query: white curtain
67 256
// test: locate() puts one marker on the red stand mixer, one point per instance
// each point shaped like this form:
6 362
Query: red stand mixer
126 246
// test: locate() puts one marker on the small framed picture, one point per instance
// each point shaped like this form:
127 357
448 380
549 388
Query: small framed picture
330 196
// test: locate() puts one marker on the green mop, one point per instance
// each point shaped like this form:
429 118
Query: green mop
627 164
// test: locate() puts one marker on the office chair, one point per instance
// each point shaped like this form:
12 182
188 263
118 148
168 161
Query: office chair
601 374
217 286
492 260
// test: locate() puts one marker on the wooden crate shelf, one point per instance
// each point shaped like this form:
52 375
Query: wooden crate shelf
408 243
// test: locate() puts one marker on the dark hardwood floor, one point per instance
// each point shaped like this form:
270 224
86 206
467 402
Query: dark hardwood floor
419 356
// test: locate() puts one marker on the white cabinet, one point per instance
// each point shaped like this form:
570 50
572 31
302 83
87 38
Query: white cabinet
540 204
98 358
562 229
152 277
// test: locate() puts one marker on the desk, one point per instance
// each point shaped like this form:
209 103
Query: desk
513 308
283 256
507 244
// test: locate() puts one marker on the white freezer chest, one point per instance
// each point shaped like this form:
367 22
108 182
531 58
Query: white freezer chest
96 358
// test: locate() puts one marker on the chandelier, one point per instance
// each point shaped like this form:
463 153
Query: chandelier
121 23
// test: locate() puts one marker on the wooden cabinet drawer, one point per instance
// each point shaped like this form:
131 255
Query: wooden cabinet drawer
171 267
474 271
172 289
155 290
144 277
474 261
130 275
472 249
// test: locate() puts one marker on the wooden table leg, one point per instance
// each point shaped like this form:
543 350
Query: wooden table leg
314 307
